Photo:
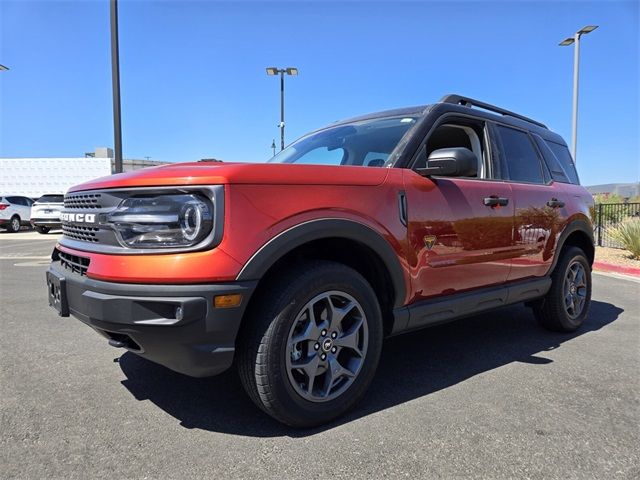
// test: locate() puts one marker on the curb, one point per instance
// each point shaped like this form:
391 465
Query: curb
609 267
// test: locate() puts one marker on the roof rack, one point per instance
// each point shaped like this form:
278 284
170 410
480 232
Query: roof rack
470 102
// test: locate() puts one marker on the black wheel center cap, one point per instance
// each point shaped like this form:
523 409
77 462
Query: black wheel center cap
327 344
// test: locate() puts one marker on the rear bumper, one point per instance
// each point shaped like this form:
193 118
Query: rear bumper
173 325
46 222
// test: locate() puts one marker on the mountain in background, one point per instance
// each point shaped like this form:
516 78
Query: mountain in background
625 190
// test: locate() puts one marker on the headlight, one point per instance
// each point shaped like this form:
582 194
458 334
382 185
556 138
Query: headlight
179 220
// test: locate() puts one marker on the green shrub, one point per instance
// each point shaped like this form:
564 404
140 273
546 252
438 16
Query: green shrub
627 233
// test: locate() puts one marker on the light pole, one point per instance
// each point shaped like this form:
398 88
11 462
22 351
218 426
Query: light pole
576 67
273 147
2 67
272 71
115 85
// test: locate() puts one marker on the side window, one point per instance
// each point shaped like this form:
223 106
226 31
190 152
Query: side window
466 134
553 165
520 155
375 159
322 156
15 200
566 162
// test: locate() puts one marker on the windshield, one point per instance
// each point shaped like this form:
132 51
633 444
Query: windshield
366 143
51 199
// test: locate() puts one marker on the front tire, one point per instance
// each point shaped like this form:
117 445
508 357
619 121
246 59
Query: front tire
566 305
42 230
311 343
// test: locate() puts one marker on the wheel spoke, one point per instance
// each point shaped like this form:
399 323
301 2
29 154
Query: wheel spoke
310 367
350 339
338 313
578 302
335 372
568 300
310 332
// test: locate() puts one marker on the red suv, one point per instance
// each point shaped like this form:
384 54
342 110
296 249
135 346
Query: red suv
297 269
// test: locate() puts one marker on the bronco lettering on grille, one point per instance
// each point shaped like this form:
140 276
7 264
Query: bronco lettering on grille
78 217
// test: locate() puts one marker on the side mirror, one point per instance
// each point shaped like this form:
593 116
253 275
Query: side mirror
451 162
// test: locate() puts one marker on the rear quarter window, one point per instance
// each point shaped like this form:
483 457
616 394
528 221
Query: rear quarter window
563 157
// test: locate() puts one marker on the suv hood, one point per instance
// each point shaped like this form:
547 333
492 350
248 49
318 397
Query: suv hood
210 173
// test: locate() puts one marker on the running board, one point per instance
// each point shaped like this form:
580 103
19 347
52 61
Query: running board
441 310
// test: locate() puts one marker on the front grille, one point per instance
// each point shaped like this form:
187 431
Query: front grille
85 234
82 201
74 263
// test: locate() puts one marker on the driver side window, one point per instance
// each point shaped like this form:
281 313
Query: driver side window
452 134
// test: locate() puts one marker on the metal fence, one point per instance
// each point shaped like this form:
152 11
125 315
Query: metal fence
608 215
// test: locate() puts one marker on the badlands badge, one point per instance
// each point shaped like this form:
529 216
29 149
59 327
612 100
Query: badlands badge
429 241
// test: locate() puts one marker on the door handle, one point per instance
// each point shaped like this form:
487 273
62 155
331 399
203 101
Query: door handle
495 201
555 203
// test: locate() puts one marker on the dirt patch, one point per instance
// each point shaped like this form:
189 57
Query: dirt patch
616 256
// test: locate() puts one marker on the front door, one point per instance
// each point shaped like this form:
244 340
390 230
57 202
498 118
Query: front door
460 233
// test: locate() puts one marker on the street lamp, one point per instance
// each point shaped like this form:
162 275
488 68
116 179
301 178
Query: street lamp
115 86
2 67
272 71
576 66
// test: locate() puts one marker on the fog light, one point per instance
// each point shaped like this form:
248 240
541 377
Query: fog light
227 301
179 313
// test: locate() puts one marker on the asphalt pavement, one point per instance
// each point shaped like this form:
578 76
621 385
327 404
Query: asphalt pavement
492 396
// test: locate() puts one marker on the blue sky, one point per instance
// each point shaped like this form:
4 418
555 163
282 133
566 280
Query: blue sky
194 85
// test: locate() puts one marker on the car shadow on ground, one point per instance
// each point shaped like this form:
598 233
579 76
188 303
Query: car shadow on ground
412 366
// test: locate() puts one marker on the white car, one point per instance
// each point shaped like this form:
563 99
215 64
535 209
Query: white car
15 211
45 212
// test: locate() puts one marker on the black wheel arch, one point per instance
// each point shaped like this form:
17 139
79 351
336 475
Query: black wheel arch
578 233
325 229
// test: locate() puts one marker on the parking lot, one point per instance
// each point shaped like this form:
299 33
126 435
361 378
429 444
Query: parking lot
492 396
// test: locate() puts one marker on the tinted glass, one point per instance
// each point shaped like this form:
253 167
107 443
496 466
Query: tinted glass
16 201
521 158
375 159
554 169
564 159
322 156
348 144
51 199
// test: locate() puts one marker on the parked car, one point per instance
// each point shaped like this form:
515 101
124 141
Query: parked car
15 211
296 270
45 212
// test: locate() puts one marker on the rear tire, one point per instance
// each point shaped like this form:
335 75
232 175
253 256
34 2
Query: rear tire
42 230
311 343
566 305
14 224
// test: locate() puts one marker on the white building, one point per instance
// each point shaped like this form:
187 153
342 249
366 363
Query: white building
34 177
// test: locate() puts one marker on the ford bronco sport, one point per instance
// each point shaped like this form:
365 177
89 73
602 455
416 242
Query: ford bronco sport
297 269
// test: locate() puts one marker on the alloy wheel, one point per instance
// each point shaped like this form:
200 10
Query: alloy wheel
326 346
575 289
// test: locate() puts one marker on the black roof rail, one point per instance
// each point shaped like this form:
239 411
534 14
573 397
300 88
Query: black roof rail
470 102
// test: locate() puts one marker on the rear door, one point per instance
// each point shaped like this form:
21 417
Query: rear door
21 207
539 203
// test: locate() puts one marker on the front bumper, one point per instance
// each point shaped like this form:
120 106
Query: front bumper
174 325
